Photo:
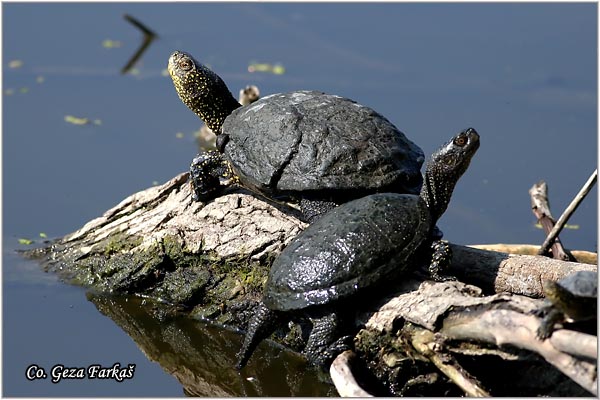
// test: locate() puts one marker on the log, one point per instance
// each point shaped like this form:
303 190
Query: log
451 315
210 262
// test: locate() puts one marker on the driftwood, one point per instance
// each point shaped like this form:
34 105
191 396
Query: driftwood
210 261
462 320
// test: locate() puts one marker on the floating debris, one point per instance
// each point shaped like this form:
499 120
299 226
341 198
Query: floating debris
111 44
76 120
134 71
567 226
81 121
138 24
24 90
276 69
9 92
155 183
179 135
25 241
43 235
164 72
149 37
40 79
15 64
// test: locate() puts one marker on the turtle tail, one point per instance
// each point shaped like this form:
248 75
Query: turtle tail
261 325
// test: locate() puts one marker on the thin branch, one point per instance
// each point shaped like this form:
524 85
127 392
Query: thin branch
568 212
342 377
424 342
540 206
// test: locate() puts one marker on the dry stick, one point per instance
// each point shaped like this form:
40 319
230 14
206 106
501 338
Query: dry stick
540 206
342 377
423 341
568 212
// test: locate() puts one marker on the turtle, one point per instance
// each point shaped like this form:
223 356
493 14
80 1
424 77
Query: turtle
308 147
573 298
354 251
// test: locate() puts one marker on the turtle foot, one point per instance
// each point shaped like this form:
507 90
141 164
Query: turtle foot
210 172
440 260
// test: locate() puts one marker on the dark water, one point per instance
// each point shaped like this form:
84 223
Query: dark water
524 75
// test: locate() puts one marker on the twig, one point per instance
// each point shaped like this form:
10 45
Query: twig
540 206
149 37
139 25
510 327
568 212
424 342
342 377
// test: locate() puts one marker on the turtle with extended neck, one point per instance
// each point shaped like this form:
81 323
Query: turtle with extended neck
355 251
306 146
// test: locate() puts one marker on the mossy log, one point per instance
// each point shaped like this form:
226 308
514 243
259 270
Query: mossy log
210 261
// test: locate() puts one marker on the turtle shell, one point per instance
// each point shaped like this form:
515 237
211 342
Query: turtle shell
582 284
308 141
353 247
575 295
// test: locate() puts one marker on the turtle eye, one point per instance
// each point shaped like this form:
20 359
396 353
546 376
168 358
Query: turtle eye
185 64
460 140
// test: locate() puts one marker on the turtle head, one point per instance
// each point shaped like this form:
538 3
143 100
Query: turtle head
203 91
445 168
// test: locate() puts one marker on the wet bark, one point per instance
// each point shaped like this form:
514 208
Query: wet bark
210 261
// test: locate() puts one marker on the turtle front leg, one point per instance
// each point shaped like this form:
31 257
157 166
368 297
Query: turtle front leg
440 260
550 317
323 345
210 172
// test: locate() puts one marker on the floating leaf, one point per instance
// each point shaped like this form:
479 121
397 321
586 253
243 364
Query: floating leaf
15 64
276 69
25 241
43 235
111 44
76 120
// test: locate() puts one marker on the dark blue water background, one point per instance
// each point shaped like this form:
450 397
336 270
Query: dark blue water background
524 75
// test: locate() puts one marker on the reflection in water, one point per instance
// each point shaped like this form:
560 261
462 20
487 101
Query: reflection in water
149 37
202 357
